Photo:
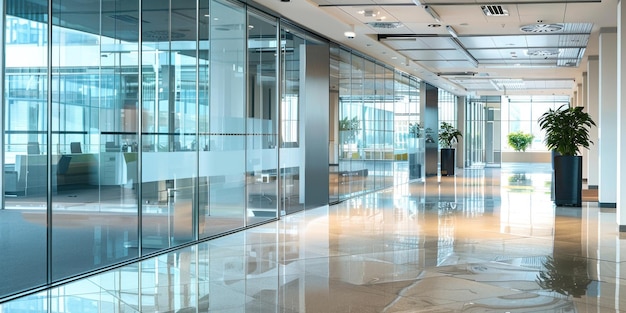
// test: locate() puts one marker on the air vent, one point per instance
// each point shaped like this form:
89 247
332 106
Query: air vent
542 53
542 28
385 25
494 10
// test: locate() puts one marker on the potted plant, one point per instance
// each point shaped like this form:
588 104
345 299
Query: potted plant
447 136
567 130
520 140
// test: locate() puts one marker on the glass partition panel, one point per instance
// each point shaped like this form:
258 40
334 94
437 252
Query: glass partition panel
94 205
293 46
416 165
262 179
386 117
225 161
169 142
405 144
23 217
333 127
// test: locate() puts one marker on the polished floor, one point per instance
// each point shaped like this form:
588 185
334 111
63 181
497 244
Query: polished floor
486 240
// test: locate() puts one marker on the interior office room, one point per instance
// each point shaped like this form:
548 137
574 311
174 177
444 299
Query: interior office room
284 156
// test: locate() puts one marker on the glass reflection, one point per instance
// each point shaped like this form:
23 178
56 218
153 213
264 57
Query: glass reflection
168 123
224 161
94 204
566 271
262 179
293 45
23 218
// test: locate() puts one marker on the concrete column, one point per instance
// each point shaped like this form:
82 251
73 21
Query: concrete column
607 121
579 95
580 103
621 117
460 121
593 100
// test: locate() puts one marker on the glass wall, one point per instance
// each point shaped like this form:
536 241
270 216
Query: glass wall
482 132
24 216
375 107
293 44
408 129
116 148
262 118
447 107
134 127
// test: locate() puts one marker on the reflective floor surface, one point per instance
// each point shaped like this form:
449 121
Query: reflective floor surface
486 240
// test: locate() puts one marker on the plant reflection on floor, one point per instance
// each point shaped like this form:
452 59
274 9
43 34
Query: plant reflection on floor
565 271
566 275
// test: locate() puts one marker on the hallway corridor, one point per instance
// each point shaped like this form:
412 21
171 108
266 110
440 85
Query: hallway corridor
486 240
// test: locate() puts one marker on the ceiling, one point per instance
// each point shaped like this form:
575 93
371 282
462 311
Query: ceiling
454 45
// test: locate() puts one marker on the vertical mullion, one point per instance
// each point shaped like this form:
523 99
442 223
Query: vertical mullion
49 151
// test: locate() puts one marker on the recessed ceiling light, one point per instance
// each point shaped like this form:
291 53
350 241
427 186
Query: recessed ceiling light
369 13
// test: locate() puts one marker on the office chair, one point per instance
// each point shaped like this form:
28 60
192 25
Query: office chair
75 147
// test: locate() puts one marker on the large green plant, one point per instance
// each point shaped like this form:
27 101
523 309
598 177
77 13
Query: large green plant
447 133
520 140
567 129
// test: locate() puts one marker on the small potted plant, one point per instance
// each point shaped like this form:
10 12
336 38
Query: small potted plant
520 140
567 130
448 135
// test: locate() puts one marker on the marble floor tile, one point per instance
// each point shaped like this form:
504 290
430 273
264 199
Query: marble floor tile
485 240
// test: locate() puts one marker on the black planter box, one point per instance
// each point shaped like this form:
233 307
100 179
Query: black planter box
447 161
568 181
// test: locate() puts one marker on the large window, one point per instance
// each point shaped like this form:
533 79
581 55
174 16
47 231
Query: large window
520 113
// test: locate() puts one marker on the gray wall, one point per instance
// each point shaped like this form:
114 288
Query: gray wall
430 119
315 120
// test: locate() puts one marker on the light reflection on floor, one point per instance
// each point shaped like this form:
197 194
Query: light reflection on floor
486 240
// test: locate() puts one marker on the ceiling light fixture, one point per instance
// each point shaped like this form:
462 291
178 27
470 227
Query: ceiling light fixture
350 34
386 25
428 10
459 47
432 13
452 32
